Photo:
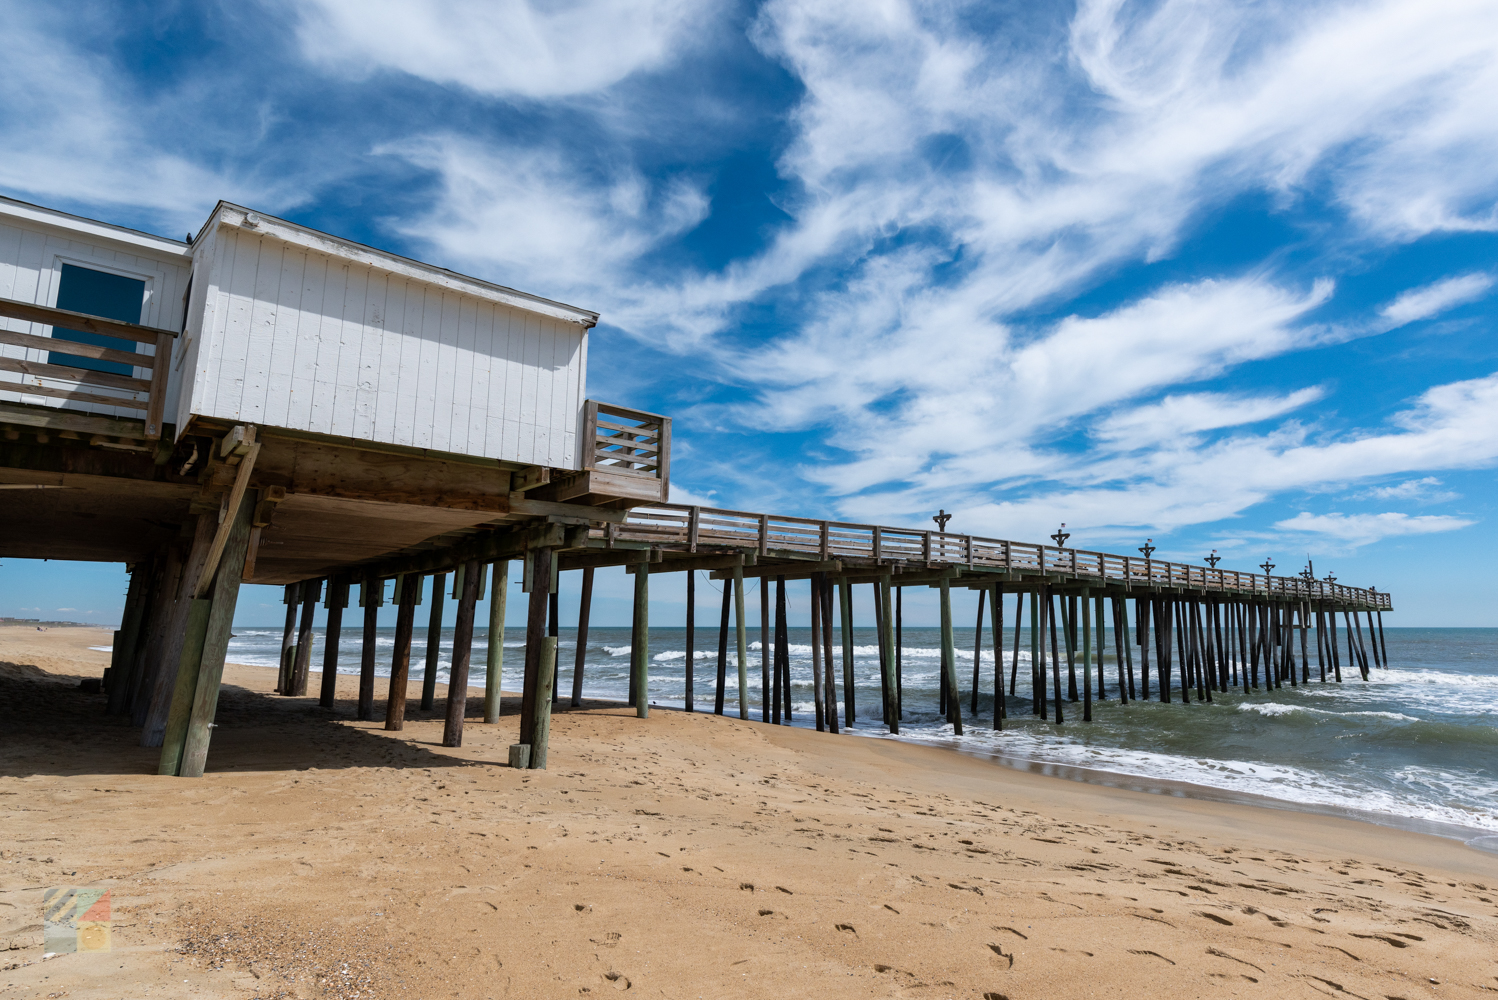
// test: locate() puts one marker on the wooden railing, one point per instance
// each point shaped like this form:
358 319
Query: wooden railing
153 389
675 526
620 440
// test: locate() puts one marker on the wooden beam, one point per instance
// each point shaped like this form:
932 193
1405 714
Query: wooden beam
694 563
241 483
70 320
791 571
74 396
77 349
601 559
53 419
67 373
502 544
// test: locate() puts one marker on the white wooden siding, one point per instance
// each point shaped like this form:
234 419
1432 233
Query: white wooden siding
34 244
311 341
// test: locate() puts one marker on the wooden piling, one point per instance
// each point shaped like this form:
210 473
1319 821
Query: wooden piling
1357 627
1037 656
1142 617
777 694
434 643
845 633
554 629
1373 642
814 604
531 703
741 639
169 649
371 596
949 658
1087 657
1069 622
1383 645
978 650
885 665
1243 642
494 653
223 590
311 591
1205 668
1121 649
766 648
1180 625
457 681
1320 619
829 674
1019 610
691 642
580 660
291 597
1102 632
1332 644
124 656
185 679
335 601
1287 614
996 623
1050 612
541 729
899 654
400 660
719 692
888 633
640 643
1160 610
164 586
1303 611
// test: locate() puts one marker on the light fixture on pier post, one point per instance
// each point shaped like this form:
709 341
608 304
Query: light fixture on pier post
941 518
1213 559
1061 536
1267 566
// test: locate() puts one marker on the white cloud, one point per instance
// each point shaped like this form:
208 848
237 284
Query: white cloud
504 47
1175 416
1426 490
680 494
1362 529
78 132
533 220
1437 297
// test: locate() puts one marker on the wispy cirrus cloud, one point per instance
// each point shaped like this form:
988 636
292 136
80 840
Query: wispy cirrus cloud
505 47
1364 529
1435 298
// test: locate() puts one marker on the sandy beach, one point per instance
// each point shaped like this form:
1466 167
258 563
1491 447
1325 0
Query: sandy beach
680 856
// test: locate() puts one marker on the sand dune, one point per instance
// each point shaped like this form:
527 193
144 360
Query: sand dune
682 856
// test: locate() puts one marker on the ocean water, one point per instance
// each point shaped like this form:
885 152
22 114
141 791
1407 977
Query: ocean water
1416 745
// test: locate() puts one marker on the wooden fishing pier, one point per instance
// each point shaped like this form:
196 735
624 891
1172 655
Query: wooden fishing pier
265 403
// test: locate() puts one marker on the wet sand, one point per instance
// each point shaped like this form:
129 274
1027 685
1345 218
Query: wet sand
681 856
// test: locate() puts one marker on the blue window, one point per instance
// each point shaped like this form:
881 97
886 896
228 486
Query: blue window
97 293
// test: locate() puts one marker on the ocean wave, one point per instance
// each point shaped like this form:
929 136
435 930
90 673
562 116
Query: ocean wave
1276 781
681 654
1274 708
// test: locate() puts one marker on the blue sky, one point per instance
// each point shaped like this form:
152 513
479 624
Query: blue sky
1218 274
